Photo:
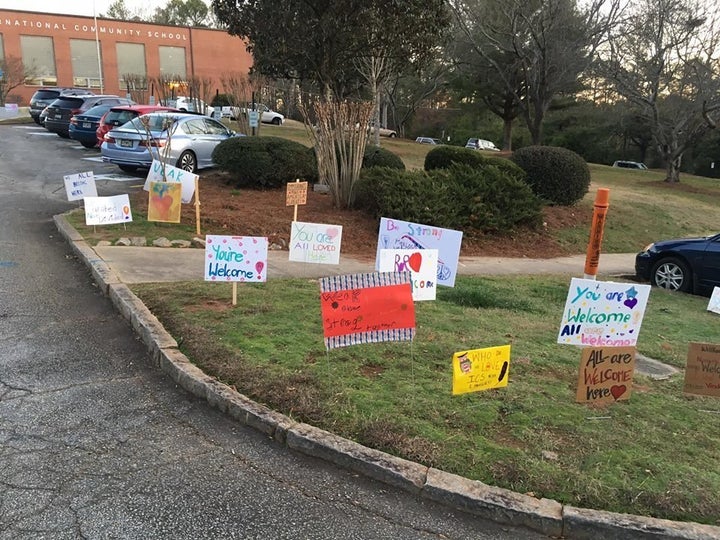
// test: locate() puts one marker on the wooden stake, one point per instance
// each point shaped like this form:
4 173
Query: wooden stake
234 294
197 206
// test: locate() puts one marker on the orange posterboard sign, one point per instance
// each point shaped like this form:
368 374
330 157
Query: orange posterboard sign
480 369
702 371
367 308
164 202
296 193
606 374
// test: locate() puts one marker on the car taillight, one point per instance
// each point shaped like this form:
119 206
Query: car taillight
73 121
107 138
153 142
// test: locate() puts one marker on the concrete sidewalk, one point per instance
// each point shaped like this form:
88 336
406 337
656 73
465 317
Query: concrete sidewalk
156 264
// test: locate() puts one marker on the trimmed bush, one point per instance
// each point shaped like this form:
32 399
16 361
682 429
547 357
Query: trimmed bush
557 175
265 162
459 197
376 156
444 157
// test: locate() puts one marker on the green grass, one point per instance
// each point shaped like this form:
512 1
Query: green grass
655 454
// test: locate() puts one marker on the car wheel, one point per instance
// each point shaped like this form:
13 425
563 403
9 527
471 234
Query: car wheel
187 162
128 168
276 121
392 135
88 144
672 274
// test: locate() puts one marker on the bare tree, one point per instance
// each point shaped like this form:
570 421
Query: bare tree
542 46
665 61
240 88
13 75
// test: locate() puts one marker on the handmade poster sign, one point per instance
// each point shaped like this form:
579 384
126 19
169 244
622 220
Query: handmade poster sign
315 243
714 303
164 202
296 193
80 185
396 234
702 371
107 210
367 308
422 265
606 374
236 258
480 369
603 313
172 174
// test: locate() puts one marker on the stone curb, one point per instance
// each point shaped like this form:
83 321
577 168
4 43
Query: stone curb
500 505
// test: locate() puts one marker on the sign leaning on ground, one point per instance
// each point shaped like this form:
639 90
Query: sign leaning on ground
702 371
315 243
422 265
236 258
714 303
606 374
603 313
107 210
80 185
396 234
481 369
367 308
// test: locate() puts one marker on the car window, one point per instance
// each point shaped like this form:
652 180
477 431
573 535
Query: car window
98 110
194 127
119 117
214 127
67 103
45 94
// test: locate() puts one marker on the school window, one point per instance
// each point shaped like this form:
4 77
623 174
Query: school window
39 60
172 62
132 70
2 49
85 64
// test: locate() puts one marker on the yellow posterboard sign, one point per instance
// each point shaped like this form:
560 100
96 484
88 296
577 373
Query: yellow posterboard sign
702 371
481 369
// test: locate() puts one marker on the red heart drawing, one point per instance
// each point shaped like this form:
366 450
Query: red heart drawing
618 390
415 261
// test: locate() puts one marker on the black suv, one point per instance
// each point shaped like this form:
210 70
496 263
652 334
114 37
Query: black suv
45 96
56 116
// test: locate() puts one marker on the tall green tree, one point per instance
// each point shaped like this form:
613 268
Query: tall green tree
183 13
663 60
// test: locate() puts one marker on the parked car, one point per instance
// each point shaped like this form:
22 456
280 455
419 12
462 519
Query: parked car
427 140
687 265
384 132
184 140
267 115
57 115
630 165
83 126
481 144
189 104
121 114
45 96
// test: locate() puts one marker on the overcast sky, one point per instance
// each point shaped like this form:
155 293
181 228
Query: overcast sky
79 7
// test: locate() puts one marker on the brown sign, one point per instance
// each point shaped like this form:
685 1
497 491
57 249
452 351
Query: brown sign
606 374
296 193
702 371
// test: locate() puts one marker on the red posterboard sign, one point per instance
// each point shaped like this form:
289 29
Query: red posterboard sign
367 308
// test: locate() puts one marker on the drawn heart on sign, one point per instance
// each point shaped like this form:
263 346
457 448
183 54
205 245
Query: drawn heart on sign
332 232
618 390
630 302
415 261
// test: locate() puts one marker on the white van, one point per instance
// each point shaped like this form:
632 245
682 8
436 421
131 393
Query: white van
481 144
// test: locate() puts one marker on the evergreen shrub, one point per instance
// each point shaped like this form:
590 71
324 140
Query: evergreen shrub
376 156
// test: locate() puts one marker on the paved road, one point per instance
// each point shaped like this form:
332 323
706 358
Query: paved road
95 443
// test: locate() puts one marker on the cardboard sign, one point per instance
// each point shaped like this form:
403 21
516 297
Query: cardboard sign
606 374
296 193
481 369
236 258
315 243
164 202
367 308
714 303
172 174
396 234
603 313
107 210
702 371
422 265
80 185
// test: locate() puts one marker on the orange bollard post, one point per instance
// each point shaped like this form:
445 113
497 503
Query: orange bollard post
592 259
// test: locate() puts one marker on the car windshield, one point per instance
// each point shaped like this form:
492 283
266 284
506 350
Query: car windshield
67 103
154 122
97 110
45 94
119 117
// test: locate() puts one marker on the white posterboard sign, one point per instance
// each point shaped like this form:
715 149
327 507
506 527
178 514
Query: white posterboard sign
236 258
315 243
422 265
714 303
80 185
396 234
172 174
603 313
107 210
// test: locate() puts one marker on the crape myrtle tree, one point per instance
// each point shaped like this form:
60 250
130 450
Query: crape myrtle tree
13 75
336 46
663 60
538 49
